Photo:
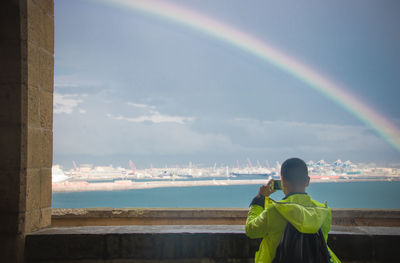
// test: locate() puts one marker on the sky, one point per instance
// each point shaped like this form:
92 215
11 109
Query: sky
129 85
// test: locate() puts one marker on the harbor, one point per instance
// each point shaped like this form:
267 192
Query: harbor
108 178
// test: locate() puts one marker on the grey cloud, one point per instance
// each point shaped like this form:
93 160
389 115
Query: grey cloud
67 103
101 132
96 133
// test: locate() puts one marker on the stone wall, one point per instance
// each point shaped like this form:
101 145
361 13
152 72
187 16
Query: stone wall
39 119
195 244
26 108
195 235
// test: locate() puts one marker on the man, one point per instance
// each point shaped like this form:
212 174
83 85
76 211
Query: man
267 218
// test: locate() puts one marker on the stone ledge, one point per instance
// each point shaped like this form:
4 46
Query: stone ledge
147 216
218 243
204 216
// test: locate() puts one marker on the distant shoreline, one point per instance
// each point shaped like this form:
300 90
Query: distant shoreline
83 186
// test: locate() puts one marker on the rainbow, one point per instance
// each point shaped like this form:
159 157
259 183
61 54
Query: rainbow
382 126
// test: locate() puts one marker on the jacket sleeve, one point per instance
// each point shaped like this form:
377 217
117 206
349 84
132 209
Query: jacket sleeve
326 226
256 223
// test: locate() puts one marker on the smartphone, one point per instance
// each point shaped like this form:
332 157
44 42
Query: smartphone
277 185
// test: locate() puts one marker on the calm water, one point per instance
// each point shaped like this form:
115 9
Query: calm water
343 195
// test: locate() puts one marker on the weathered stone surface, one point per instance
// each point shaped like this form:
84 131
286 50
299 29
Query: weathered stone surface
23 149
45 217
32 220
46 70
33 75
35 17
33 65
33 107
47 29
143 216
188 216
46 5
40 146
45 188
33 189
32 56
34 148
365 217
47 148
46 110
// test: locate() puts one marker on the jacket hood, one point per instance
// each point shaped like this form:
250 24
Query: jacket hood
305 215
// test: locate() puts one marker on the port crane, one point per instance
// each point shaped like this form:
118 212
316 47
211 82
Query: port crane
77 171
133 167
250 164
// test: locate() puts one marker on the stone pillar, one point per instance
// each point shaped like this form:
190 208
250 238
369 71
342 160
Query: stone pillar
26 114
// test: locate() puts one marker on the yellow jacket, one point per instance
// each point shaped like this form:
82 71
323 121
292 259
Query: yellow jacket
305 214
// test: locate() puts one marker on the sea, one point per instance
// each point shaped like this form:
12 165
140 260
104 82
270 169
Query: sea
380 195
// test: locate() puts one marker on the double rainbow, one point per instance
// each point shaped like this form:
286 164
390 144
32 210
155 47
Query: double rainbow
382 126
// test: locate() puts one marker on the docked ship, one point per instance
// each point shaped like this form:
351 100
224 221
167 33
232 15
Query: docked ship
57 175
252 172
255 171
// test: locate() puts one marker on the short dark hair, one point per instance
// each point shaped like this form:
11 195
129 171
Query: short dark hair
294 170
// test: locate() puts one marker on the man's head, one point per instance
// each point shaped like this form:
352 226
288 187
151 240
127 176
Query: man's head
294 175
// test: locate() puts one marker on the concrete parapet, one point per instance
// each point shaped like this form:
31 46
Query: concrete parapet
183 243
216 216
366 217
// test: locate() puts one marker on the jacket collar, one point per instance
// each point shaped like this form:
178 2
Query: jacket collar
294 193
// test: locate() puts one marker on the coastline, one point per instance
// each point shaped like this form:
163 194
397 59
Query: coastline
83 186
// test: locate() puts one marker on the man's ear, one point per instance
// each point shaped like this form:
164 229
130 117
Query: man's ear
308 181
284 183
